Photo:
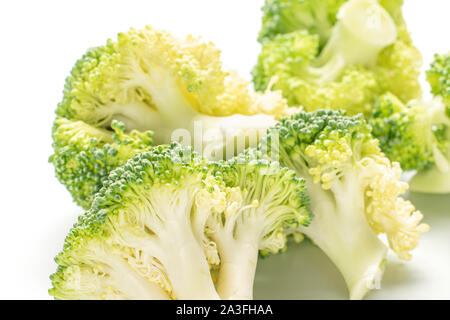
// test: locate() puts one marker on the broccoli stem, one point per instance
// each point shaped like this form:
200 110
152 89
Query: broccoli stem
363 29
237 270
181 255
170 240
341 230
192 262
135 116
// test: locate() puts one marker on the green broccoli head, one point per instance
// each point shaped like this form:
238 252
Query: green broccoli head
284 16
84 155
354 190
284 64
404 131
137 234
439 78
322 143
417 134
367 53
167 208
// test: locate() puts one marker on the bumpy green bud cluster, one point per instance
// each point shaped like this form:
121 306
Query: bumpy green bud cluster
284 64
344 168
316 54
84 88
161 165
416 134
284 16
85 155
111 78
274 53
276 189
121 202
322 143
105 74
439 78
404 132
398 70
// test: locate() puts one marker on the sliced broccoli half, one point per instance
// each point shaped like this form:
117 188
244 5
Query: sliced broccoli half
167 221
368 52
136 242
149 80
354 190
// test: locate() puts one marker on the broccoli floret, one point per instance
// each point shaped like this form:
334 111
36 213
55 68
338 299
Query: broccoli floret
261 200
438 77
284 16
412 134
354 191
417 134
436 179
149 80
368 52
132 242
84 155
166 220
137 234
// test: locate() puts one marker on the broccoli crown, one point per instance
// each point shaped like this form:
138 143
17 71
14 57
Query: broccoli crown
288 57
347 69
439 78
284 16
140 215
405 132
124 71
338 152
160 211
417 134
322 143
84 155
269 192
162 165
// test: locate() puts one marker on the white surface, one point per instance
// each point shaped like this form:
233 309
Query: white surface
40 41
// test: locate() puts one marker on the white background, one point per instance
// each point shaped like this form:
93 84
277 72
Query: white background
39 43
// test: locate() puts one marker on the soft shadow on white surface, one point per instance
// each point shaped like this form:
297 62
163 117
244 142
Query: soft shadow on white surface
302 272
305 272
